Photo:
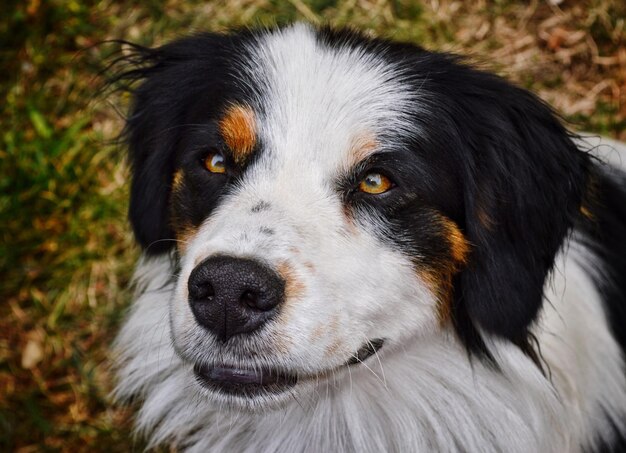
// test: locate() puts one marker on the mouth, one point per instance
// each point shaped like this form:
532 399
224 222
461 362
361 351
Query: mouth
248 382
244 382
366 351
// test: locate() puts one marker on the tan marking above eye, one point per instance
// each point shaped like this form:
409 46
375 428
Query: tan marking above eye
215 163
375 183
362 146
238 129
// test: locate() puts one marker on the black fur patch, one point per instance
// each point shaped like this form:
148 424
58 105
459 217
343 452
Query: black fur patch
605 234
172 124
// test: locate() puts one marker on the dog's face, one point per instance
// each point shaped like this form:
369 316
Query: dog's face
327 197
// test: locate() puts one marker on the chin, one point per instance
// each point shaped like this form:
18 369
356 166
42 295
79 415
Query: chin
352 244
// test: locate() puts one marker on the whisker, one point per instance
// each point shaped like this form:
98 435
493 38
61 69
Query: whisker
350 375
380 364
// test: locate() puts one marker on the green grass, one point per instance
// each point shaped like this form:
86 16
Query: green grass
66 252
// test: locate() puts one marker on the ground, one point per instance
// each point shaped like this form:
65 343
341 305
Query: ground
66 250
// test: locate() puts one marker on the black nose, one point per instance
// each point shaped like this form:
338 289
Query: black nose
230 296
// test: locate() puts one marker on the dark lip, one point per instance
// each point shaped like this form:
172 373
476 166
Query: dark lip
246 382
242 381
366 351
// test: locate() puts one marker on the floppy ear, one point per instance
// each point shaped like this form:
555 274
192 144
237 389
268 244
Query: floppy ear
173 79
152 136
523 188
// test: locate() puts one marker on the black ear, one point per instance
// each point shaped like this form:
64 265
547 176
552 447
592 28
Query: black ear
166 85
152 134
523 181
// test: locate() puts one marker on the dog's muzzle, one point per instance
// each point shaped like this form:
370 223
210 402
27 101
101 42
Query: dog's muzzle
234 297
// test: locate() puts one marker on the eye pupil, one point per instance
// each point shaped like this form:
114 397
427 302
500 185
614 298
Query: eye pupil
215 163
373 180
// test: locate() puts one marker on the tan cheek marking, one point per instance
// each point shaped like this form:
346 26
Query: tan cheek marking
239 131
458 243
325 328
184 235
183 229
317 333
439 278
294 288
332 348
333 330
177 181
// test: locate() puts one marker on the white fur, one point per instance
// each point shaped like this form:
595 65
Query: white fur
585 363
421 396
420 392
610 151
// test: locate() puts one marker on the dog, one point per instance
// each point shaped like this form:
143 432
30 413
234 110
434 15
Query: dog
357 245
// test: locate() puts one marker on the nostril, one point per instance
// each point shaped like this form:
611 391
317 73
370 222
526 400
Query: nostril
205 291
201 291
250 299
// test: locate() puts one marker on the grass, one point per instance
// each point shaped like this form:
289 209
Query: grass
66 251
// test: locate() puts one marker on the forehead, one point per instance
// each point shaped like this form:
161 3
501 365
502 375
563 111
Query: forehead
318 98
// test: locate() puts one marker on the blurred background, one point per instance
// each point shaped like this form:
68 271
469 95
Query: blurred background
66 251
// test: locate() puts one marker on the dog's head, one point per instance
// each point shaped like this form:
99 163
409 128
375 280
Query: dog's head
326 195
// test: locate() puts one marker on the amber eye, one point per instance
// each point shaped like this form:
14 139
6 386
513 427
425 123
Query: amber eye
375 183
215 163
